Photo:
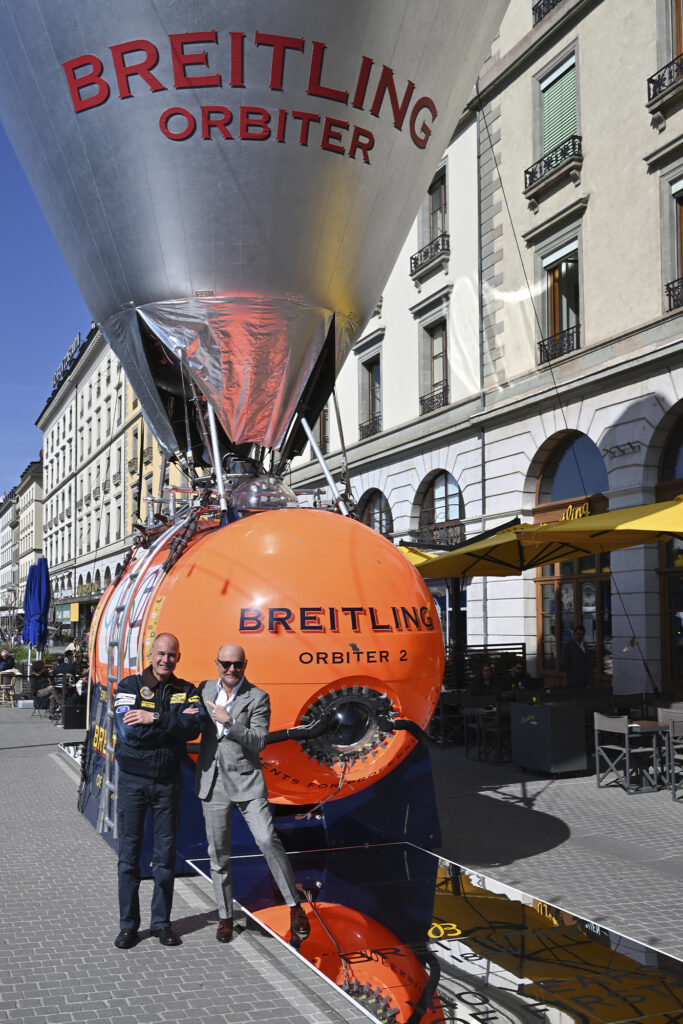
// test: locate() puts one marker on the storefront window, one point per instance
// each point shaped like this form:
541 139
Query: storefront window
569 599
575 591
671 569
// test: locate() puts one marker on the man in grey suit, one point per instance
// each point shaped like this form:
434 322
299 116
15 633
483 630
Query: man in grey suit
235 716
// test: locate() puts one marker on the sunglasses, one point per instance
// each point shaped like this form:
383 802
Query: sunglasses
228 664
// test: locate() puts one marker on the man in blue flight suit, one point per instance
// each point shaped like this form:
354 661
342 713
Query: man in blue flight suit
151 733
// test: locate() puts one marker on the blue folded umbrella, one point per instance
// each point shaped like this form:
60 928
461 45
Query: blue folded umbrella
36 604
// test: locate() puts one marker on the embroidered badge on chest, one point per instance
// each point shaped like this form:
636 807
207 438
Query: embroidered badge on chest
146 693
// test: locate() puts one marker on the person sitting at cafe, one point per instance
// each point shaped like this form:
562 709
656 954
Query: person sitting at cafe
6 660
41 688
76 665
484 686
59 671
516 677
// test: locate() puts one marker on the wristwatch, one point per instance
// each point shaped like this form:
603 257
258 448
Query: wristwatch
155 717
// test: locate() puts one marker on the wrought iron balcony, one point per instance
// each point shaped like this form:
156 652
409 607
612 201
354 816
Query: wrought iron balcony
439 535
439 246
371 426
116 479
132 465
79 504
96 492
106 485
67 510
674 293
539 10
568 149
436 399
666 78
560 344
86 498
147 455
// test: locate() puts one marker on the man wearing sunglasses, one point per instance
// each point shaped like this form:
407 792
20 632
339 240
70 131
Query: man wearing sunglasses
234 718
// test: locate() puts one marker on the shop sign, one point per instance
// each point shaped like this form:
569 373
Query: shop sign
85 589
576 512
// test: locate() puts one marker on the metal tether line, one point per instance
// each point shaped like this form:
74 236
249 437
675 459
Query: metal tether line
560 406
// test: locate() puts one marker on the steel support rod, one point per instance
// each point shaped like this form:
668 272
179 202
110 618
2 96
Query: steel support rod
336 493
217 468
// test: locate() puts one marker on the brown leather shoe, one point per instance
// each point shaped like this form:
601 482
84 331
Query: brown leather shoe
224 930
301 929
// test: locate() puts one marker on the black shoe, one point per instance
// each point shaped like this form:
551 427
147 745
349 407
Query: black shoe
126 938
166 936
301 929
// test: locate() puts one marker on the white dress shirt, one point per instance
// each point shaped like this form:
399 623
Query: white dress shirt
223 701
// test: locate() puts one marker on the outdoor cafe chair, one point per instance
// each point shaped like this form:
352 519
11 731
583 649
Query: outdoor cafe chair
623 755
7 680
673 718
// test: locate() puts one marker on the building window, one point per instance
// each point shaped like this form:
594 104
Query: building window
441 512
562 298
437 208
371 397
433 235
558 139
674 288
434 371
321 431
376 512
558 97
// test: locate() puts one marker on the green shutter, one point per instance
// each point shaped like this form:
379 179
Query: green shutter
559 110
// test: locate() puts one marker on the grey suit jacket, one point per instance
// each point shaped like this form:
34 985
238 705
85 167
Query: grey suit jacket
236 755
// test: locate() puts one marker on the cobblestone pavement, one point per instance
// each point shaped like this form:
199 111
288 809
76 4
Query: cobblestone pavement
613 858
59 917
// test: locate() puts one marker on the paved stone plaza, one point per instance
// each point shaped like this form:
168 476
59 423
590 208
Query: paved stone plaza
609 857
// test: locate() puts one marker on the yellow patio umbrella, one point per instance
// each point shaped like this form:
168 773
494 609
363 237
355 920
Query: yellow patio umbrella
416 555
517 548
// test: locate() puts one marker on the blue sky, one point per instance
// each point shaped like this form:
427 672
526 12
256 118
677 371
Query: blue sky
42 312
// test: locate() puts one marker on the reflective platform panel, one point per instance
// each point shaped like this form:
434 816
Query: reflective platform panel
415 938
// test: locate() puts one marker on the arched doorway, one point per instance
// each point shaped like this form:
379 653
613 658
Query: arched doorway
670 485
571 485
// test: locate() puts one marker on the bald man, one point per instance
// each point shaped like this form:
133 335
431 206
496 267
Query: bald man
235 716
151 732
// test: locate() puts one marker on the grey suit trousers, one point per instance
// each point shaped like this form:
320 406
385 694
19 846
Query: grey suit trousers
218 819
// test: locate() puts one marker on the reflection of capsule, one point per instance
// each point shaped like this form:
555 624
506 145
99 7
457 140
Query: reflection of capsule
336 623
364 958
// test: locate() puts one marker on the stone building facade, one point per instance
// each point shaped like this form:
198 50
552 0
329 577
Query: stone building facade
527 357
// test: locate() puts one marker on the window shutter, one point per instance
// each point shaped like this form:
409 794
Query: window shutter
559 109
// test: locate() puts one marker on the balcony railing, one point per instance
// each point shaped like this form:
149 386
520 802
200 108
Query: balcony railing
439 535
132 465
539 10
674 293
371 426
439 246
105 486
147 455
568 149
79 504
436 399
86 498
560 344
668 76
96 492
116 479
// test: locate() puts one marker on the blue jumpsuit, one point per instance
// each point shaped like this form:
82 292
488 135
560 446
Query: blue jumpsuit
149 758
